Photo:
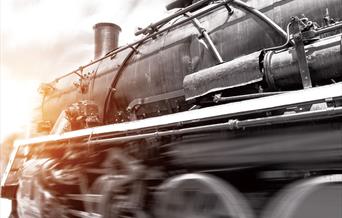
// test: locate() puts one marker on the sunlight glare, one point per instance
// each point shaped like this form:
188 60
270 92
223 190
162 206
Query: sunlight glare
18 99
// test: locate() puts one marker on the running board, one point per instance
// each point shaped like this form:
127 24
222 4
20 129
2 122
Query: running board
228 111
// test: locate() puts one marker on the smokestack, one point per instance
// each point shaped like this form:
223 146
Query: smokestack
106 38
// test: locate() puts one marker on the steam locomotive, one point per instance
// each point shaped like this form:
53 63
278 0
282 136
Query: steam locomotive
226 108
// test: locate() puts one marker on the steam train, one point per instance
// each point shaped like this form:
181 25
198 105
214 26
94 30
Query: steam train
226 108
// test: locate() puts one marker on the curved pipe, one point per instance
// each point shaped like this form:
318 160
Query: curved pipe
283 46
261 16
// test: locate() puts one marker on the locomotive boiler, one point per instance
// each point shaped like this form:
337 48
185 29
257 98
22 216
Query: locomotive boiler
225 108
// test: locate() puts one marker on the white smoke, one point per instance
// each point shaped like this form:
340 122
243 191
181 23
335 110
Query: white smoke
42 38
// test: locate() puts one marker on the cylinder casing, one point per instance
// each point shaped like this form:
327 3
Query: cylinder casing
324 60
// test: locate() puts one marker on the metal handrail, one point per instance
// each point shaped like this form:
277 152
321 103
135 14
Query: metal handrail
237 3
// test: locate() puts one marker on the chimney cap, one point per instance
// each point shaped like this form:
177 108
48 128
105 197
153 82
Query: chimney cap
107 24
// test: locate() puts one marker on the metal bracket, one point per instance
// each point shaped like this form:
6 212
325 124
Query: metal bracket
300 52
136 50
207 38
229 9
152 99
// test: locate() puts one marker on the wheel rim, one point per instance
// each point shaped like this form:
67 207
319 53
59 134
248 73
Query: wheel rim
292 201
200 196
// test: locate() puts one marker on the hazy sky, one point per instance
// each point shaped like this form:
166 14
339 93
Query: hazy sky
41 39
44 37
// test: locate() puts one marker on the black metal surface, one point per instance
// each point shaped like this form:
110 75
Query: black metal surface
164 61
178 4
182 54
309 142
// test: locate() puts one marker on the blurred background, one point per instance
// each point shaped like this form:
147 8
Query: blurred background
42 39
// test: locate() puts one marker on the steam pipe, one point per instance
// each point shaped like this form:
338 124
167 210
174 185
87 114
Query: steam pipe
329 29
290 118
244 97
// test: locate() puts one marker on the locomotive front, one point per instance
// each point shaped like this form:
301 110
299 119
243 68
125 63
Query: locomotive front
225 108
